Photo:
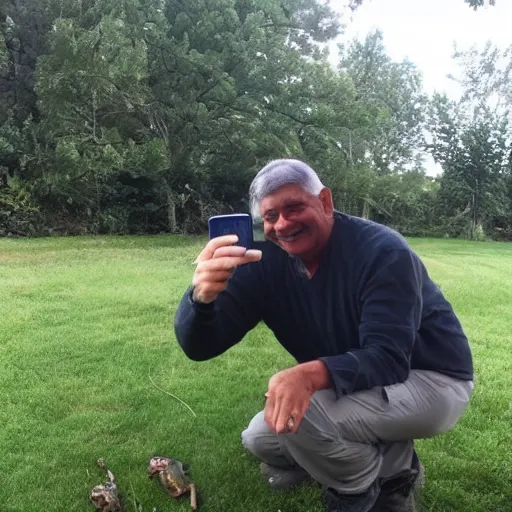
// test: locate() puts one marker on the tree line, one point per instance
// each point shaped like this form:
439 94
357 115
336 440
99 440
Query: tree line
148 116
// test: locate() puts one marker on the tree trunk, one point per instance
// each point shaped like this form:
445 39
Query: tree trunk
171 208
366 209
473 220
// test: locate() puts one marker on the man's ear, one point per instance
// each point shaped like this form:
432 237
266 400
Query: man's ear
325 197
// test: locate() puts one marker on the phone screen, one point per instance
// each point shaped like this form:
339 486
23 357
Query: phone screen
236 224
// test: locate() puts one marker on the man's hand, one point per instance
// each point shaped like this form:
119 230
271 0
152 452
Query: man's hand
289 395
216 264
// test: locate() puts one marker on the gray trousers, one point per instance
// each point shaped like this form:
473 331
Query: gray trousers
347 443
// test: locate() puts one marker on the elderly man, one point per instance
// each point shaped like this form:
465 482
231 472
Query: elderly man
382 359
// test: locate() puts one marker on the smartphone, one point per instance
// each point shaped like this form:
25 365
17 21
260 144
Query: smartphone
239 224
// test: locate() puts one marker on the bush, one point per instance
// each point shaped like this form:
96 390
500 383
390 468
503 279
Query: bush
115 220
502 234
18 215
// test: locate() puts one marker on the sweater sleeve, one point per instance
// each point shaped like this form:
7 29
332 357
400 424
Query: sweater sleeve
390 297
205 331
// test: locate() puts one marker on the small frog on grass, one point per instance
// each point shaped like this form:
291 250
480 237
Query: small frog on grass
173 478
106 497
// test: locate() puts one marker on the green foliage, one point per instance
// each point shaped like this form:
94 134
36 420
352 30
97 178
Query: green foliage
485 75
407 202
148 116
472 147
19 216
392 95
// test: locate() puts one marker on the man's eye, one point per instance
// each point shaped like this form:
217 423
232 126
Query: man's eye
271 216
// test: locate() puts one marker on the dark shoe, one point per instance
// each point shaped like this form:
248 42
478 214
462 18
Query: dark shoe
336 502
283 478
398 493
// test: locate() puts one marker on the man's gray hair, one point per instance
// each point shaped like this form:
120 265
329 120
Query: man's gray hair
279 173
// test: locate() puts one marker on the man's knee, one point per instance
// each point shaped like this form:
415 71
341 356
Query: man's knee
320 433
327 456
317 433
316 422
251 441
258 438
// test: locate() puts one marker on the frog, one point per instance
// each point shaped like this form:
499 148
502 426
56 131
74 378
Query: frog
173 477
105 497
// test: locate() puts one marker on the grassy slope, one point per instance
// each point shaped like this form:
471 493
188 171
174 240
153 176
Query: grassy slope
85 327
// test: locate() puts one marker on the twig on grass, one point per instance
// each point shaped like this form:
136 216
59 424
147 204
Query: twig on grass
170 394
136 505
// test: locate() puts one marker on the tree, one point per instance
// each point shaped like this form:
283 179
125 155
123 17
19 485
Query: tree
136 116
486 75
393 92
474 154
184 84
479 3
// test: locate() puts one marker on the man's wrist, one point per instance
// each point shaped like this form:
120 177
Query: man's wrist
193 297
196 302
316 374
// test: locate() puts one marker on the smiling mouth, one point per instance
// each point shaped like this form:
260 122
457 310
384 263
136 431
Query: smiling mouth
292 237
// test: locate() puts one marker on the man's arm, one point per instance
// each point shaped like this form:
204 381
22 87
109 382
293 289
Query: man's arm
391 309
205 331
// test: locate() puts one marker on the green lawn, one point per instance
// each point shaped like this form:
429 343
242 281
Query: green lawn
86 334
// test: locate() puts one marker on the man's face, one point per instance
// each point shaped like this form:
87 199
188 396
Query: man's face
297 221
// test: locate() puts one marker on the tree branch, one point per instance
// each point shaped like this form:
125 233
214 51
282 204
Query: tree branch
217 81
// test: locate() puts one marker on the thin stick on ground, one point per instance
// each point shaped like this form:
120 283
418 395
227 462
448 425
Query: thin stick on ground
193 497
170 394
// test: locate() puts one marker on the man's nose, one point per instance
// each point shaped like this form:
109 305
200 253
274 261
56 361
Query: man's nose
281 223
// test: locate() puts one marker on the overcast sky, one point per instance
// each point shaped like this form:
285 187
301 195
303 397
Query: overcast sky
425 30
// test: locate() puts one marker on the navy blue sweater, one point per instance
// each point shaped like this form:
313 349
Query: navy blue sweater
370 312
